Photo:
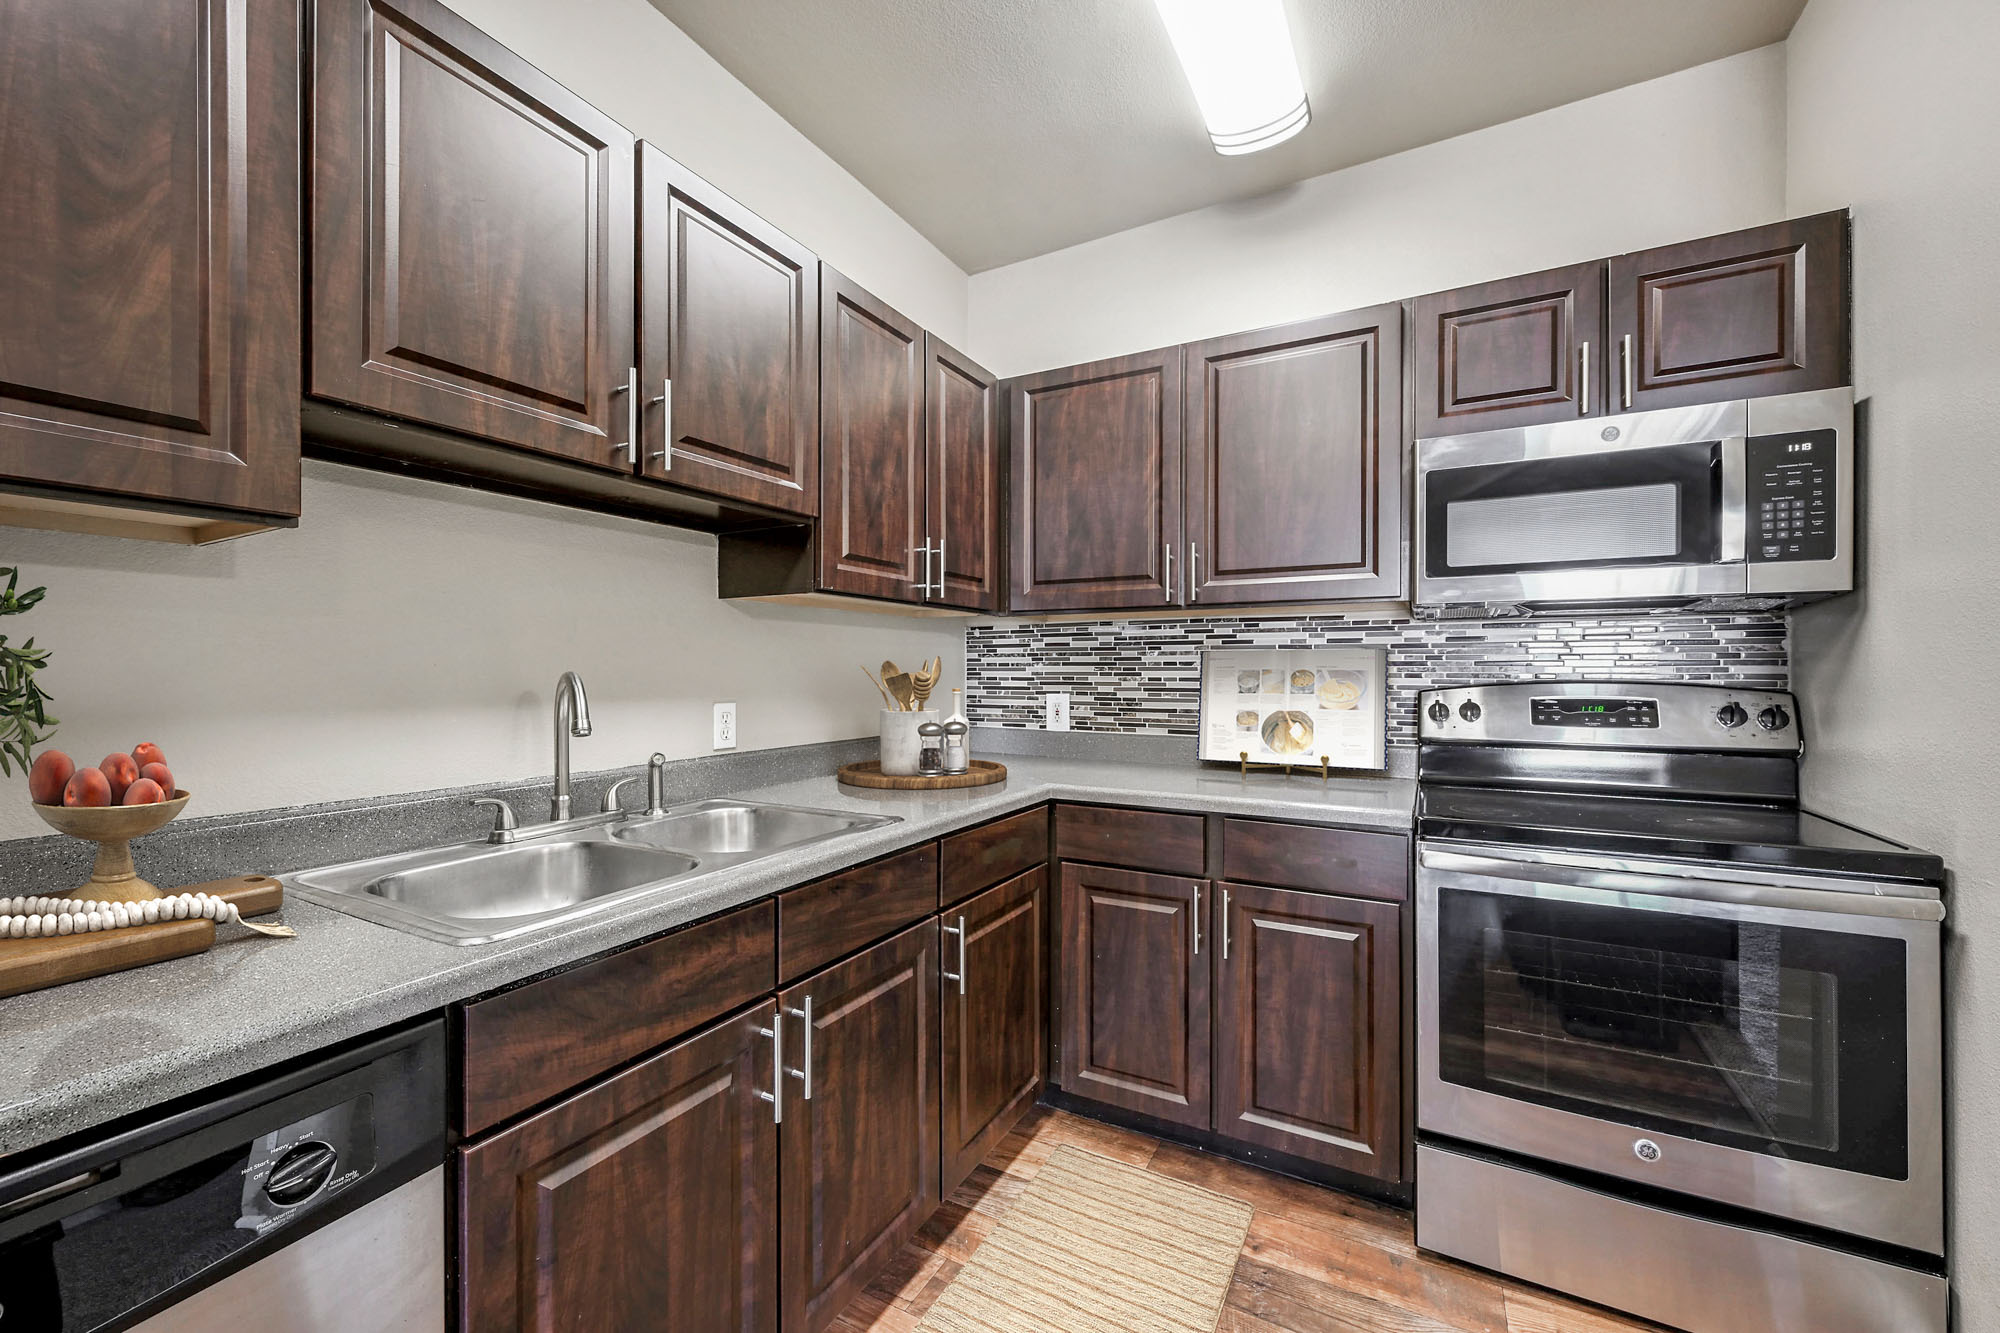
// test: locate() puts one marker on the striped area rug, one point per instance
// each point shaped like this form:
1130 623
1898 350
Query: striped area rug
1095 1246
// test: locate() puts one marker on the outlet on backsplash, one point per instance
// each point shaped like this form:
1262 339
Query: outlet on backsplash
725 726
1055 712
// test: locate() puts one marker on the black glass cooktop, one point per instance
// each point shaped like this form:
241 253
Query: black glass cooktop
1732 832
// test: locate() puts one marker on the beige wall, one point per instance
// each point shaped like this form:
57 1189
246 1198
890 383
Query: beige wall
407 635
1893 110
1690 154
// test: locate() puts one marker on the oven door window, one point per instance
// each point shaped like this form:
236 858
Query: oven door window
1636 507
1769 1038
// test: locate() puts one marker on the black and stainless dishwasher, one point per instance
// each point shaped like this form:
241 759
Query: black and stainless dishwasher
306 1202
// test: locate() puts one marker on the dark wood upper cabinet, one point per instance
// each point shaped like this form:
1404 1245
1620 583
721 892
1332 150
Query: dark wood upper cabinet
1295 461
149 262
965 476
1749 314
859 1144
993 1041
1308 1027
872 472
646 1201
1096 462
472 237
1135 985
1517 352
728 345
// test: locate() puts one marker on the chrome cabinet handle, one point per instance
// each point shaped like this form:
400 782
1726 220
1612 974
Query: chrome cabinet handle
938 587
1583 380
665 456
958 976
924 579
776 1096
631 391
1169 548
1193 580
1225 925
1194 918
805 1075
1625 370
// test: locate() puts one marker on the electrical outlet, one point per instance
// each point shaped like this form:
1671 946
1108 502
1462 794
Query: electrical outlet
725 726
1055 711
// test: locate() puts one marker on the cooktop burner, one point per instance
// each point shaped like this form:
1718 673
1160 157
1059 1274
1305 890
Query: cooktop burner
1775 836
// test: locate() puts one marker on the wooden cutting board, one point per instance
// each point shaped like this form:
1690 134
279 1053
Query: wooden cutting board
27 965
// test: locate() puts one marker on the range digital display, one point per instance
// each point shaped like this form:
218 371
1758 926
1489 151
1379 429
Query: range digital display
1580 712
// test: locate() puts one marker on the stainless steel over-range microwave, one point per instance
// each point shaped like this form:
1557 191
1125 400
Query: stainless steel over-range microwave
1743 505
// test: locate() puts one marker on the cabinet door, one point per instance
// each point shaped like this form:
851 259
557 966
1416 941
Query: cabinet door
1747 315
859 1144
149 258
964 489
1517 352
1295 461
871 420
645 1201
471 236
1308 1026
1135 985
994 1045
1096 458
728 345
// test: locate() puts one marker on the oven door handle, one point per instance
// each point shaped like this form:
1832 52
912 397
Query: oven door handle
1586 883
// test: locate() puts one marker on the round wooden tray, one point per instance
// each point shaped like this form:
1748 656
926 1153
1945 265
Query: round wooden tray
869 774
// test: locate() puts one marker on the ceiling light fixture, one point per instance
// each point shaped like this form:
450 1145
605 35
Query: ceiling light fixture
1238 57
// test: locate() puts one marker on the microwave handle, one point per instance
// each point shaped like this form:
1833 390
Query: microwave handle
1735 515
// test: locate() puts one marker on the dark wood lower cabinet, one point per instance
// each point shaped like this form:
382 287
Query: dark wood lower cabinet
648 1201
1135 1021
993 1045
1308 1026
859 1144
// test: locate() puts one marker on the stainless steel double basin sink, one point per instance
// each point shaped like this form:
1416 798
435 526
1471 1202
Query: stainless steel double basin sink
473 893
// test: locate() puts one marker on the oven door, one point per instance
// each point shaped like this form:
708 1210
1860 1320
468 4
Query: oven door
1642 510
1750 1040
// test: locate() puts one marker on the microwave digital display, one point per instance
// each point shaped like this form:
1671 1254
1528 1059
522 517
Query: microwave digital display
1595 712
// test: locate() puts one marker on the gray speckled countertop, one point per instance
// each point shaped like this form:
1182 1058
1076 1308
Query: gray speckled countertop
88 1052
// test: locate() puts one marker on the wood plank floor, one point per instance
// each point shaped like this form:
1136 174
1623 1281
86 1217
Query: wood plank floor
1315 1261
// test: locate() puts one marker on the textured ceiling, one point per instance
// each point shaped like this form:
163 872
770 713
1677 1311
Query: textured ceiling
1003 129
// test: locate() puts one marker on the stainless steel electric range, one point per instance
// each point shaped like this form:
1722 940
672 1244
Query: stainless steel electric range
1679 1046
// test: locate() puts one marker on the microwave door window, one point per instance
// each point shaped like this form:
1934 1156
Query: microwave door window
1635 507
1565 527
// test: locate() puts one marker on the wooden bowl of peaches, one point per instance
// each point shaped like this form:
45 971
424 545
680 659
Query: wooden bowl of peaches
126 796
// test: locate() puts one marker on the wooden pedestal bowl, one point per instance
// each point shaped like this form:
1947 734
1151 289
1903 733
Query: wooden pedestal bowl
113 878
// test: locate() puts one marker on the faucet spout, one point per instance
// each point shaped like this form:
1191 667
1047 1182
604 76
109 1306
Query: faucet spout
572 719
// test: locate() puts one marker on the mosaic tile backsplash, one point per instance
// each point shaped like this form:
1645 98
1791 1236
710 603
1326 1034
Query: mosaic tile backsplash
1144 676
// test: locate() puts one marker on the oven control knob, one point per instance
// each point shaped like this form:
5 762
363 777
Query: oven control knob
1773 718
1731 715
1440 712
300 1173
1469 711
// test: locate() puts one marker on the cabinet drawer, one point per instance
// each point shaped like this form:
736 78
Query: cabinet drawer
981 857
1326 860
1137 839
525 1045
836 916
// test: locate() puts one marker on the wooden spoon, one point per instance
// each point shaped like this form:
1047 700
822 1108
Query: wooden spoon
876 681
900 686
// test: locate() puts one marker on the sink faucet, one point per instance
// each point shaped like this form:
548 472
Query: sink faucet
572 719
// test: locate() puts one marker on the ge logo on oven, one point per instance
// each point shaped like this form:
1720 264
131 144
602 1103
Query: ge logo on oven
1646 1150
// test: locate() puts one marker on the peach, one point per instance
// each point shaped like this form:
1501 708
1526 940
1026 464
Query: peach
159 773
145 752
49 776
121 772
144 791
87 786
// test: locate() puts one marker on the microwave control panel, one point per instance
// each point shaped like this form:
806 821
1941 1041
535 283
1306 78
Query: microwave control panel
1791 496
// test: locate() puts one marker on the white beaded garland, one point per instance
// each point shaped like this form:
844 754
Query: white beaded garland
34 917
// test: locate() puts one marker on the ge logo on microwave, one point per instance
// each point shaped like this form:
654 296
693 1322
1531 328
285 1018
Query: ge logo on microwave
1646 1150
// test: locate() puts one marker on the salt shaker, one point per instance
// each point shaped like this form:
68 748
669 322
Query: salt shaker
957 736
